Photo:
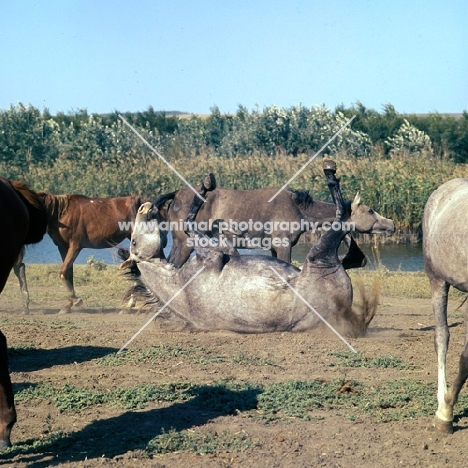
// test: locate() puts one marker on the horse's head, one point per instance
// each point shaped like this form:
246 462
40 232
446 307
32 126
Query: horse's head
368 221
147 240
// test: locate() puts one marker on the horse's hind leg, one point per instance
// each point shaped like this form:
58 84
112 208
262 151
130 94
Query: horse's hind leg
19 269
443 420
451 396
20 272
325 248
66 274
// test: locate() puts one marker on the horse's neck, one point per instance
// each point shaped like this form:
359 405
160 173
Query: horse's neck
55 204
320 212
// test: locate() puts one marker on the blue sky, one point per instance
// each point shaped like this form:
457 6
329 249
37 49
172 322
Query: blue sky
191 55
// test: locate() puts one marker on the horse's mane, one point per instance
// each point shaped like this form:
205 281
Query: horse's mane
28 195
302 198
56 205
36 209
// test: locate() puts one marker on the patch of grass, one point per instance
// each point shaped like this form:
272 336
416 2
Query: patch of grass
350 359
151 355
248 360
393 401
71 398
194 354
200 443
401 399
61 324
97 264
8 322
48 442
285 401
294 399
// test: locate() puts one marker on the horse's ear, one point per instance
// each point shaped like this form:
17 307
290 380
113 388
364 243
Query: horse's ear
356 201
126 264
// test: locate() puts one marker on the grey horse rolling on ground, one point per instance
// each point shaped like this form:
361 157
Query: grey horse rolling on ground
446 263
251 293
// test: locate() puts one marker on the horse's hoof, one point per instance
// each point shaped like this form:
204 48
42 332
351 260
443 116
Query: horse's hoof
25 311
125 311
65 311
78 302
329 165
446 427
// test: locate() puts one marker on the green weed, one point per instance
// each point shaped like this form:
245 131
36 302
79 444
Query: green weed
350 359
200 443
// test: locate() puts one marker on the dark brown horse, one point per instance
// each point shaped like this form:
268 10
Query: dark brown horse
24 221
289 215
76 222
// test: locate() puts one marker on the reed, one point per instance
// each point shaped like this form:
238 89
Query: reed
398 187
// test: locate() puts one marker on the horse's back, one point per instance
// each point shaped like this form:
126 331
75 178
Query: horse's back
238 205
94 222
445 229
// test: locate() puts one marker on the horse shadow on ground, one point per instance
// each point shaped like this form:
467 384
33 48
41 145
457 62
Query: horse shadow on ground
29 360
133 430
432 327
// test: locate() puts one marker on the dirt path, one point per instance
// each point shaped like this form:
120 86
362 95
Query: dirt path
56 349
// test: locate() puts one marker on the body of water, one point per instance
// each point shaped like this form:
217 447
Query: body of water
404 257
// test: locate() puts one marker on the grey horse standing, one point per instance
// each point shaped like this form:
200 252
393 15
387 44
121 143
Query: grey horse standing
446 264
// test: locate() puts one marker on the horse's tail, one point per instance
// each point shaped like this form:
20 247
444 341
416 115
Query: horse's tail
157 210
360 321
36 209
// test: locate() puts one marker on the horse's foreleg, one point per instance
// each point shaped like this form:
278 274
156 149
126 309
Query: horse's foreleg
7 403
66 275
20 271
443 420
180 251
282 253
355 257
130 304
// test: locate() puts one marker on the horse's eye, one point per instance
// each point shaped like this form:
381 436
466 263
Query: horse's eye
371 211
133 242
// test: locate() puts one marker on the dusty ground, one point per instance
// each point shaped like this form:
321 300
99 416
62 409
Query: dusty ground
103 435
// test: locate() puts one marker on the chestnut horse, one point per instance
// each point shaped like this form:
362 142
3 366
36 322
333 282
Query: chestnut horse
24 221
76 222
